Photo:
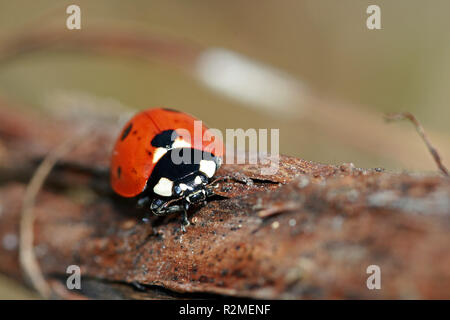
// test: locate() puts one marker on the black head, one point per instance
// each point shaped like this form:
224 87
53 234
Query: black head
192 188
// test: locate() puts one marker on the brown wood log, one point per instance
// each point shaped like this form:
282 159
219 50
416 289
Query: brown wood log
310 231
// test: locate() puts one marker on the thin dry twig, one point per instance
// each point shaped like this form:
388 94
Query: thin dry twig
421 131
27 257
177 53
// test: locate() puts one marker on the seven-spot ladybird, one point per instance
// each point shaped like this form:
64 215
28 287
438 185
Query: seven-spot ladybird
157 161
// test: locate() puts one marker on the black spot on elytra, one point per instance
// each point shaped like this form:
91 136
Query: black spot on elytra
149 153
126 132
164 139
119 171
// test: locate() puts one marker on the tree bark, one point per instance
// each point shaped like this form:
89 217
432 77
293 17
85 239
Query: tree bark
309 231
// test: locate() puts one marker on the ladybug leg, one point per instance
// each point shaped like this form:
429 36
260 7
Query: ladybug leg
146 218
161 208
185 221
209 192
164 211
142 202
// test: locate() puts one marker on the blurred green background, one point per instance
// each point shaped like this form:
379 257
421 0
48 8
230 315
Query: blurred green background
353 75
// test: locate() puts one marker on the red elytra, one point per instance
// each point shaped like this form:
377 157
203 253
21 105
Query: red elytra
132 159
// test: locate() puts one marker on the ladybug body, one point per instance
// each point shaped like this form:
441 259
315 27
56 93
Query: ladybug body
158 158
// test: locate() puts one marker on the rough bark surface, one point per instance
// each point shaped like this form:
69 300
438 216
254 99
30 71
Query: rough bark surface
310 231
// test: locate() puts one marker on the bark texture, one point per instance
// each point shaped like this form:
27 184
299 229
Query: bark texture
310 231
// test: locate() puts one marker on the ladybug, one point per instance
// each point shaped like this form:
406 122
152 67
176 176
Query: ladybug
143 161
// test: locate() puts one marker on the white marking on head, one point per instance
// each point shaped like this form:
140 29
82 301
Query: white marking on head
198 180
183 186
180 143
163 187
208 167
159 152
